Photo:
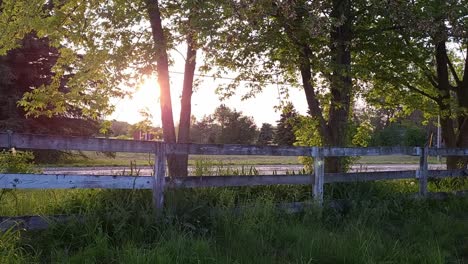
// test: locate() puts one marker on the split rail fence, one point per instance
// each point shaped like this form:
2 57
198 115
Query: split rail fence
159 182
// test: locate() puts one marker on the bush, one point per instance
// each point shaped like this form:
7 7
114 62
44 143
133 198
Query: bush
399 135
16 162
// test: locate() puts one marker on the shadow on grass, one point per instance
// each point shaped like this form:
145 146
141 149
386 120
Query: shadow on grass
200 226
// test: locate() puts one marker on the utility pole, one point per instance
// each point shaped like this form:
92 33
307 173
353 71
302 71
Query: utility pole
439 138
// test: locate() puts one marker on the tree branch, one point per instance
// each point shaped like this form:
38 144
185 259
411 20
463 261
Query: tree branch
379 30
465 72
431 79
452 70
312 101
414 89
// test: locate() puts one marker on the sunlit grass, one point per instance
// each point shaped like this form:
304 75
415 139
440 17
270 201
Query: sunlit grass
380 222
147 159
200 226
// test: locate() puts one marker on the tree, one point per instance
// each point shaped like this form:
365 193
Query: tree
265 137
120 128
24 68
204 131
91 34
424 64
305 43
225 126
286 126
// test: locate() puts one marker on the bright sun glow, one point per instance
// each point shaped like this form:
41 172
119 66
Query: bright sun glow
204 101
147 92
146 97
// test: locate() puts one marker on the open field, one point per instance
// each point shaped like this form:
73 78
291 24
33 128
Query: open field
141 159
379 225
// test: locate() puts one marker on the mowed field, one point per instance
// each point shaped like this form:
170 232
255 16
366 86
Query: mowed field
145 159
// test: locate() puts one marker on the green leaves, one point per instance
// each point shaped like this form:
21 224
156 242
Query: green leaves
18 18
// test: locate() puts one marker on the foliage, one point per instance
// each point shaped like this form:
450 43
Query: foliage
16 162
363 135
300 43
266 134
225 126
28 67
242 225
307 134
286 126
404 134
120 129
423 65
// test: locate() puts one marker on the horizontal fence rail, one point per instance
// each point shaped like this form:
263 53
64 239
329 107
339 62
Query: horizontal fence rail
159 182
69 181
29 141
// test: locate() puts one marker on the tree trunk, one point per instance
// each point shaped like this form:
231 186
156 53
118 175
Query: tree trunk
162 69
454 135
333 132
186 110
340 83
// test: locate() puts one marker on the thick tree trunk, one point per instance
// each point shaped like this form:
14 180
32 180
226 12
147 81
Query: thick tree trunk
186 106
162 68
340 83
334 131
454 135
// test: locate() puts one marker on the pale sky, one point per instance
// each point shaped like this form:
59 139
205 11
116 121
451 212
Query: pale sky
204 100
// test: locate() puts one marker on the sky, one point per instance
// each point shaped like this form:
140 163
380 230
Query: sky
204 100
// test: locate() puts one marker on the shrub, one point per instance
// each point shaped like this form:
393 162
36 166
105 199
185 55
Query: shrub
16 162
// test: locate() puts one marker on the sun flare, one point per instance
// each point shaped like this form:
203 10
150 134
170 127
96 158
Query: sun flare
145 98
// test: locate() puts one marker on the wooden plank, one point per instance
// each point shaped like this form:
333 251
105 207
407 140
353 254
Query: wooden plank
447 173
159 179
372 151
61 181
217 149
319 174
448 152
27 141
368 176
422 173
231 181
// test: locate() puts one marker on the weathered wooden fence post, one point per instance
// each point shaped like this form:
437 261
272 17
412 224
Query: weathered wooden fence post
423 170
319 174
159 178
10 139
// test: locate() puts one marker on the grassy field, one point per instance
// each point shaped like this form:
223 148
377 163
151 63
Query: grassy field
379 225
142 159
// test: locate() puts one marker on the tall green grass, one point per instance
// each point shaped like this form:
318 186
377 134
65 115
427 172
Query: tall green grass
378 224
201 226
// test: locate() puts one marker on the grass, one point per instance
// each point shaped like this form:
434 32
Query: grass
145 159
396 159
379 225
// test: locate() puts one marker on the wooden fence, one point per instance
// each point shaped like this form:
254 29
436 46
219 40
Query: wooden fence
160 182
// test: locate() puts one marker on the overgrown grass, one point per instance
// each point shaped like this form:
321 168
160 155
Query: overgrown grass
145 159
379 223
